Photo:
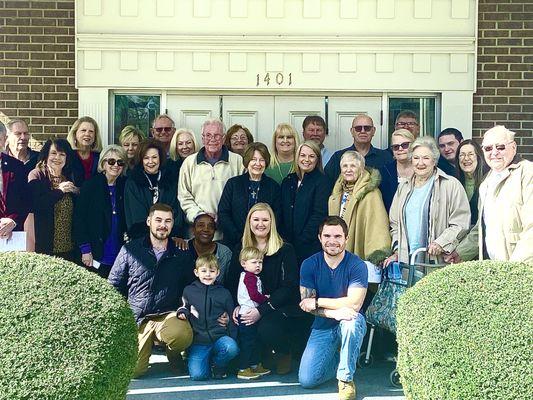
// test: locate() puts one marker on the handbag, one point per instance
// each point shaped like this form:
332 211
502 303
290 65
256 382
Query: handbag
382 310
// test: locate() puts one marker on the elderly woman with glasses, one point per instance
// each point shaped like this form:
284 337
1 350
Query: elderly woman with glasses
99 221
237 138
428 210
399 169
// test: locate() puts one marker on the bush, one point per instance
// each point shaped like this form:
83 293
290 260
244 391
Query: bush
65 333
465 332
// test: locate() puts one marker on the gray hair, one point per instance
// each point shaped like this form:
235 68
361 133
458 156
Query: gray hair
354 155
428 142
163 116
113 149
500 129
12 122
214 121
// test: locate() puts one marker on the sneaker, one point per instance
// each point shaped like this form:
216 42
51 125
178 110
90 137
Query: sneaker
219 372
283 364
247 374
346 390
260 370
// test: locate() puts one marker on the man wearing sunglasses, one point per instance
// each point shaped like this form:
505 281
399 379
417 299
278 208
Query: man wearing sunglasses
363 131
504 230
163 129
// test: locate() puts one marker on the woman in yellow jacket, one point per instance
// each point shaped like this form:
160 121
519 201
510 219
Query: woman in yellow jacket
357 200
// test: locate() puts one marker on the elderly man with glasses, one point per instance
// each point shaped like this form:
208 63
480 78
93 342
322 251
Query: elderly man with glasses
504 230
204 174
363 131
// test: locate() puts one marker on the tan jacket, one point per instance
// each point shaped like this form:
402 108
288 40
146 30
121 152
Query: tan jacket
449 214
200 184
365 215
514 196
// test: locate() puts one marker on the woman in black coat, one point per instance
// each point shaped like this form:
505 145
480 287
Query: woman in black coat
304 201
280 319
53 195
151 181
242 192
84 138
99 221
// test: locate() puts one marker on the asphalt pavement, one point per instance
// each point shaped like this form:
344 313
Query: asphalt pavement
160 383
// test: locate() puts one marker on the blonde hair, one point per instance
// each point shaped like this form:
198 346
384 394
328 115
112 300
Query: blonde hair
173 143
71 137
115 149
406 134
285 130
250 253
130 131
274 241
313 146
207 260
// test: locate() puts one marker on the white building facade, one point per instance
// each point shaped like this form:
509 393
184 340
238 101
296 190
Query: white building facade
262 62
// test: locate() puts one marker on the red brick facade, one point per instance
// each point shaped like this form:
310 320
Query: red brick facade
37 67
505 75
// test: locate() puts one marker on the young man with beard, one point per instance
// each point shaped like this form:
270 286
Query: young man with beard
151 272
333 285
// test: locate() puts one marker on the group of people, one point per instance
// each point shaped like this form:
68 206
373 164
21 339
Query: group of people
234 251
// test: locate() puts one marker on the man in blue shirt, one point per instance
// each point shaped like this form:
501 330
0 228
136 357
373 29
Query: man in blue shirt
333 285
362 131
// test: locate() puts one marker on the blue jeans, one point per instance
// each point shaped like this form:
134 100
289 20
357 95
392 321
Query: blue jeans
322 359
201 357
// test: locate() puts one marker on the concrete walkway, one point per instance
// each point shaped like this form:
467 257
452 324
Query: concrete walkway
161 384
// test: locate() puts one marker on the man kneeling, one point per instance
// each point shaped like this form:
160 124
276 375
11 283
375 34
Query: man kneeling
333 286
151 273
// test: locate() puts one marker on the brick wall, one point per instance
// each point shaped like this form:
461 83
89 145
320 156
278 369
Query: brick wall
505 73
37 65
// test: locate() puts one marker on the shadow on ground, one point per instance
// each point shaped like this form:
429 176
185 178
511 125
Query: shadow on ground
161 384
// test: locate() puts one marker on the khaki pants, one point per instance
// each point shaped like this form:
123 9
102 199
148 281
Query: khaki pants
168 329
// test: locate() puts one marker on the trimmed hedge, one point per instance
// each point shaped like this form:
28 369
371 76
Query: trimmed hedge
65 333
466 332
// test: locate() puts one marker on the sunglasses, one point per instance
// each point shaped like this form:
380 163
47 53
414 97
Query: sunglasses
499 147
112 161
404 145
362 128
167 129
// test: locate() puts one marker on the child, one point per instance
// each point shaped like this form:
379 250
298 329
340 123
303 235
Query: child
204 301
249 296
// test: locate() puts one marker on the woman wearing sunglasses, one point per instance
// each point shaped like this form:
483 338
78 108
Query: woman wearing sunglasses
399 169
99 222
153 180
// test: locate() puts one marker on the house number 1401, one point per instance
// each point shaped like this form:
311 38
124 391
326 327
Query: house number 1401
277 79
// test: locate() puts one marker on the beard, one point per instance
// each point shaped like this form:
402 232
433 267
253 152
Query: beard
160 234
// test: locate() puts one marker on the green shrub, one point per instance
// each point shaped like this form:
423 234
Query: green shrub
65 333
465 332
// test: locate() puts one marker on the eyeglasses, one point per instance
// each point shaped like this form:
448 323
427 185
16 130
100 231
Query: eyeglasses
167 129
362 128
209 136
499 147
467 155
112 161
406 123
404 145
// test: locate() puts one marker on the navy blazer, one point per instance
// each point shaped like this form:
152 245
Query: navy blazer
92 214
303 210
14 193
233 205
389 183
77 167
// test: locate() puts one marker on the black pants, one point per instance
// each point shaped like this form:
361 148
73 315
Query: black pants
285 334
249 346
